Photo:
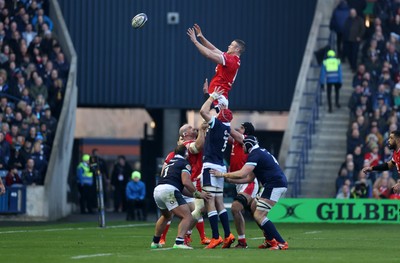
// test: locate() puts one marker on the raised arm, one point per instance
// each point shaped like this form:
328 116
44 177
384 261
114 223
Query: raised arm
199 143
205 110
203 40
214 55
237 136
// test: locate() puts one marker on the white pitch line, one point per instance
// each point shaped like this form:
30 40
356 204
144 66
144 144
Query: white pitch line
313 232
91 256
68 229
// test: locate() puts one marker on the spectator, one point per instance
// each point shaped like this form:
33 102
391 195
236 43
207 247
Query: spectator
5 151
393 57
39 157
56 96
344 192
85 185
359 75
12 177
331 74
382 186
358 159
28 34
25 96
30 175
16 159
24 129
32 134
338 19
119 179
360 190
51 122
353 34
135 194
41 18
47 136
62 66
354 140
39 88
343 176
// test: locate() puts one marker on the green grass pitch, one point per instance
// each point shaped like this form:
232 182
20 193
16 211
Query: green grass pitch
123 242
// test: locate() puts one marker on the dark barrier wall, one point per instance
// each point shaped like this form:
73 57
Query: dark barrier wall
158 67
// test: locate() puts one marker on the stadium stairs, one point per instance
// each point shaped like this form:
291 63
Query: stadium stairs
329 142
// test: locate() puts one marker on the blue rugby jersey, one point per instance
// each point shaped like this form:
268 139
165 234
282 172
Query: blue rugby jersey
267 169
173 170
216 142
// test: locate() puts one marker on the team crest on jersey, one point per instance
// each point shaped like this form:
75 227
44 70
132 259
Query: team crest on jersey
188 167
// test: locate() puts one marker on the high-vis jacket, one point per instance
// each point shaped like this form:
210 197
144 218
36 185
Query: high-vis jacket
331 71
85 176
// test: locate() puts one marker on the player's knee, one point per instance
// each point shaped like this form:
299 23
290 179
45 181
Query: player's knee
196 214
236 207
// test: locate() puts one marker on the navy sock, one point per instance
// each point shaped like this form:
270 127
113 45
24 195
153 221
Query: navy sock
213 218
156 239
270 230
223 217
179 241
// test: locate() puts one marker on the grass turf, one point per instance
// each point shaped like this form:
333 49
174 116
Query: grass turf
122 242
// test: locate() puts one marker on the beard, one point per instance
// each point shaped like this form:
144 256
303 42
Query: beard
392 146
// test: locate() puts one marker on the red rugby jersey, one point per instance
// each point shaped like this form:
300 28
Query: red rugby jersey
225 74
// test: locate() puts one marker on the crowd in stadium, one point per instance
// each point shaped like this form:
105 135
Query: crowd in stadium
33 73
375 101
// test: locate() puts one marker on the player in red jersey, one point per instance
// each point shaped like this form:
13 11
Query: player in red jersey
246 193
194 142
393 144
228 62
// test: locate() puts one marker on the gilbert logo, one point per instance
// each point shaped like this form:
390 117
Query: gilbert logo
358 211
290 211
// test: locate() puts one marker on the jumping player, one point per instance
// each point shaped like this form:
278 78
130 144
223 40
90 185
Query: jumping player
228 62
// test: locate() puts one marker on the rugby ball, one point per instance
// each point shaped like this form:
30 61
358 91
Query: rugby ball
139 20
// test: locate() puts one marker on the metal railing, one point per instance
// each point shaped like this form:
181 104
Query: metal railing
304 140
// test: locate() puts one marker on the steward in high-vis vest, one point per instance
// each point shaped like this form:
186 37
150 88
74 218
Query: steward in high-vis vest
331 75
85 185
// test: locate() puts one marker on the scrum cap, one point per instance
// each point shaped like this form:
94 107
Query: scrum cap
249 142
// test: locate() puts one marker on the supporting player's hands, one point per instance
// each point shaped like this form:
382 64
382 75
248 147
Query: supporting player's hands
204 126
367 169
217 93
217 173
205 86
198 30
205 196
